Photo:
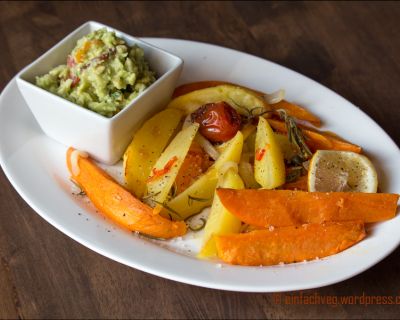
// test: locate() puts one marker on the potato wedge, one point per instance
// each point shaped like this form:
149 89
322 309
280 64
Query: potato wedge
146 147
291 108
205 186
245 101
220 220
165 170
269 167
288 150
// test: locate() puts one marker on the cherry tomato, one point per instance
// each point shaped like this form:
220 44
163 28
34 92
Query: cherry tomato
218 121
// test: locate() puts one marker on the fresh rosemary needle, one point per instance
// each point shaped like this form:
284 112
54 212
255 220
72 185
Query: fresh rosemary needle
295 135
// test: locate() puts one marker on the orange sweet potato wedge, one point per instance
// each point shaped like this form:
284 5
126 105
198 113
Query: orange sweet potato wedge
119 204
289 244
281 208
318 140
299 184
291 108
297 112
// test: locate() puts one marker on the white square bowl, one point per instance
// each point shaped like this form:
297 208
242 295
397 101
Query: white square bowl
105 139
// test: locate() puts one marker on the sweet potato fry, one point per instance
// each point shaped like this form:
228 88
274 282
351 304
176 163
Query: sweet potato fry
297 112
289 244
117 203
318 140
291 108
299 184
285 207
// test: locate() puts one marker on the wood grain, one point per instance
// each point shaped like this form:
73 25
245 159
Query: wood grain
351 47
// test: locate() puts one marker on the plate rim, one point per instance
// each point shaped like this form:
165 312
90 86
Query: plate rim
160 273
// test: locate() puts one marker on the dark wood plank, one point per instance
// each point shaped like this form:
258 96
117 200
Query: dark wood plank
350 47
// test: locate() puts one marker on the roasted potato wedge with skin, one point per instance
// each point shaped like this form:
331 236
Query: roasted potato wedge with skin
146 147
205 186
269 167
220 220
168 165
291 108
245 101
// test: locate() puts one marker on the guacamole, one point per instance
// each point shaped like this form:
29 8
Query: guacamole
102 73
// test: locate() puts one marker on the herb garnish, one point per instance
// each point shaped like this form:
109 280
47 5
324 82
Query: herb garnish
295 135
199 227
191 199
293 174
148 236
81 192
166 207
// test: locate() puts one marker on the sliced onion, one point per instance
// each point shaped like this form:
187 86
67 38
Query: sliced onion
187 122
275 97
227 166
203 142
74 161
246 173
207 146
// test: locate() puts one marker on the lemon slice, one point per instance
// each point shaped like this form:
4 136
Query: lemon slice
341 171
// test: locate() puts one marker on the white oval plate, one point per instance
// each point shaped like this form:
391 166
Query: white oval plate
35 165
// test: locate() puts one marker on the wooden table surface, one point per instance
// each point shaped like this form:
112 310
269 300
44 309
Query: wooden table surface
352 48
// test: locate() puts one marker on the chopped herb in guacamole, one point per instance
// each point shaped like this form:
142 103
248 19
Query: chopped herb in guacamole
102 73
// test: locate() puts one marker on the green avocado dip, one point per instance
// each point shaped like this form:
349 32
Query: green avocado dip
102 74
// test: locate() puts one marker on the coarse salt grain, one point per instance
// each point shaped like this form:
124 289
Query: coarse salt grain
271 228
218 265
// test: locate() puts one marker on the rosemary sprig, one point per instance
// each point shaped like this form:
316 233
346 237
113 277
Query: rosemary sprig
199 227
173 191
251 113
150 195
293 174
191 199
166 207
148 236
81 192
295 135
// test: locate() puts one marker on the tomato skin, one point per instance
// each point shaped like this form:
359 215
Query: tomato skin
219 122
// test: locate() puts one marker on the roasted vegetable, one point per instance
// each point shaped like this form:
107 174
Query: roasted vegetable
218 121
205 186
164 172
289 244
269 167
245 101
291 108
146 147
117 203
318 140
220 220
285 208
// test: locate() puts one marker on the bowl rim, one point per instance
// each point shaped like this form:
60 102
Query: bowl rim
90 113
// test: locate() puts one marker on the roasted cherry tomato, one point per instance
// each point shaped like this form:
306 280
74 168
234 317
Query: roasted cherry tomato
218 121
